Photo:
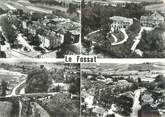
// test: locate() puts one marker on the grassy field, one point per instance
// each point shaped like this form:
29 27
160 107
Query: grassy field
157 7
5 109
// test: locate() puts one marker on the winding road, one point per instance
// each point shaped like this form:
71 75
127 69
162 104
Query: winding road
120 42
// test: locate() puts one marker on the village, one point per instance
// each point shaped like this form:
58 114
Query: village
37 32
122 28
122 90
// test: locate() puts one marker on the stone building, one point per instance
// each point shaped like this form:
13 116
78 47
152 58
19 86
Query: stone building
152 20
120 22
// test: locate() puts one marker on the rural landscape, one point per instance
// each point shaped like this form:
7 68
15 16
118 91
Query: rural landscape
82 58
35 89
123 89
39 28
123 28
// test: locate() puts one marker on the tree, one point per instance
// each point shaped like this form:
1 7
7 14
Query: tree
75 86
152 43
71 9
57 89
135 27
4 87
62 106
8 30
162 26
38 81
36 40
2 54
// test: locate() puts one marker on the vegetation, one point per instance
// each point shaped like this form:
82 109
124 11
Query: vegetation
49 2
72 8
38 81
4 87
95 16
75 87
9 31
2 11
152 42
61 106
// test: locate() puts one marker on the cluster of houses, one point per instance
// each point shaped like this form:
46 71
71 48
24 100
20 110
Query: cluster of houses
51 36
50 30
89 100
151 20
48 38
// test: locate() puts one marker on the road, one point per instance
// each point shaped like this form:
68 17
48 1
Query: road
137 40
43 112
26 6
120 42
112 111
136 105
20 53
39 9
17 88
10 6
94 32
20 109
115 39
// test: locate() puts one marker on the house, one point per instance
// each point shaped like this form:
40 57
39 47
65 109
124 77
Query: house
122 3
120 22
100 2
89 100
50 39
147 98
152 20
123 84
98 111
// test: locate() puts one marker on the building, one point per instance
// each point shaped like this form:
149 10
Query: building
147 98
120 22
123 84
50 39
98 111
152 20
122 3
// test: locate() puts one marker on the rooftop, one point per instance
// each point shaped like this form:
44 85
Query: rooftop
119 18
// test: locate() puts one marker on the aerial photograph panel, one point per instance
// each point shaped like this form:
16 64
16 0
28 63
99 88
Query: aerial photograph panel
130 89
39 89
39 28
123 28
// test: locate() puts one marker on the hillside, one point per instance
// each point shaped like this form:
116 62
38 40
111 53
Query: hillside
138 0
119 68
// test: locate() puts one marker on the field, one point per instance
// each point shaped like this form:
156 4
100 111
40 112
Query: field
5 109
156 7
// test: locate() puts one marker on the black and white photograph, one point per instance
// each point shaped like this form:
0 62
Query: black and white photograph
39 89
39 28
123 28
123 89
